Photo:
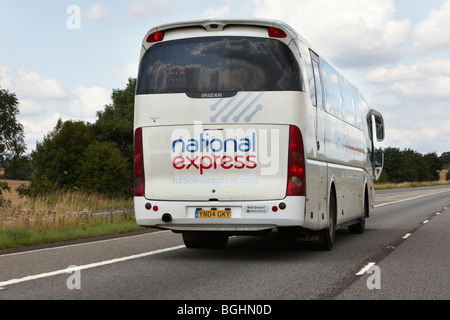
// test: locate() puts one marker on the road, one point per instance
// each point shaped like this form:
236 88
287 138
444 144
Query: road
405 251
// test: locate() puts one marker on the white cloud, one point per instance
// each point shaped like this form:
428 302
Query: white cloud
126 72
415 102
423 128
427 80
212 13
35 130
147 9
97 12
30 108
349 32
5 76
32 91
42 101
433 33
87 101
29 85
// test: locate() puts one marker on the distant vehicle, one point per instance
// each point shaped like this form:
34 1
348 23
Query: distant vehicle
242 128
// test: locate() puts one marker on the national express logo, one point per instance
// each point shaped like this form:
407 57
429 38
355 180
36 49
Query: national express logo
225 149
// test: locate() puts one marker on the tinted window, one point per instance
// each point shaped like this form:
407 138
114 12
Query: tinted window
218 64
347 101
332 91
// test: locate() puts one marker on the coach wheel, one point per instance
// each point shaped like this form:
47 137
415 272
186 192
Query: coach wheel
330 232
359 227
205 240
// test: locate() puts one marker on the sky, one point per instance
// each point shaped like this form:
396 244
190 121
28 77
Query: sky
63 58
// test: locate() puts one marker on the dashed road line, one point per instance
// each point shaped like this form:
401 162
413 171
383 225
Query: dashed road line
365 268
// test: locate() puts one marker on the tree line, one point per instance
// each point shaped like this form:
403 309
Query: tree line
98 157
411 166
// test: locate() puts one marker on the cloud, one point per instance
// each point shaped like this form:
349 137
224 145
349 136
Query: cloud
414 100
87 101
130 70
42 101
426 80
29 85
36 129
145 9
97 12
5 76
212 13
30 108
351 33
422 126
434 32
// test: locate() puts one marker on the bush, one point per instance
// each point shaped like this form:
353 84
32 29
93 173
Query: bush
104 170
56 159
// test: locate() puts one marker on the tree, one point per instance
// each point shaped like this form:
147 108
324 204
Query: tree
56 158
409 165
446 157
115 122
93 157
18 168
103 170
434 165
11 131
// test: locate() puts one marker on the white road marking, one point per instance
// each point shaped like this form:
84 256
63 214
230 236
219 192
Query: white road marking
406 236
364 270
418 197
88 266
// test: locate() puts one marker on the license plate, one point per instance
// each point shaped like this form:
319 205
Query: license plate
213 214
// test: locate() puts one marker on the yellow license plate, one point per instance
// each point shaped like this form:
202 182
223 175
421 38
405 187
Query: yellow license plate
213 214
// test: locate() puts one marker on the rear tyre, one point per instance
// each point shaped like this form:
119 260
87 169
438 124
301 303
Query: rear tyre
359 227
205 240
330 232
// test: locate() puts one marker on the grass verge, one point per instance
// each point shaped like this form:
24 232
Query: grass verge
380 186
64 216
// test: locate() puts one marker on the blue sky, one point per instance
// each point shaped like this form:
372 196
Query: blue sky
396 51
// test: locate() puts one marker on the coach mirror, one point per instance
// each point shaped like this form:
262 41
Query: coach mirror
379 164
376 123
379 127
376 128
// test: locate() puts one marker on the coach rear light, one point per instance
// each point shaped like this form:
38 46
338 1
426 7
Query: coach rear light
156 37
138 164
296 175
296 181
277 33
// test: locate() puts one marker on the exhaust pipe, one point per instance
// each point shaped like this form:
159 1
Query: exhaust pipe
167 217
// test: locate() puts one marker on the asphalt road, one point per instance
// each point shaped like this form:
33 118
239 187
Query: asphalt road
404 254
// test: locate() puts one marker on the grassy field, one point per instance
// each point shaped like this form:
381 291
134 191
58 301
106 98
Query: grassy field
61 217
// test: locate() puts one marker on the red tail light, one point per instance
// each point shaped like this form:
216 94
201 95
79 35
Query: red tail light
277 33
156 36
296 174
138 164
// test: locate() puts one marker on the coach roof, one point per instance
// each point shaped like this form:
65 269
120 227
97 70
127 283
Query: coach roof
221 24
